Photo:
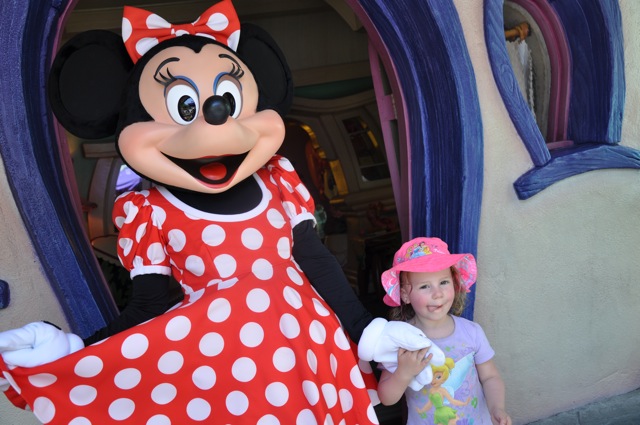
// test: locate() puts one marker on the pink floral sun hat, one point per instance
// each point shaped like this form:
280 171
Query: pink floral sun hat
426 255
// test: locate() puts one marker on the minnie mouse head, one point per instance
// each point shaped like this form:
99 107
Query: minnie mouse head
194 113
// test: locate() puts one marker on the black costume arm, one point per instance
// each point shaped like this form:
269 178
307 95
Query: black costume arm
326 275
150 298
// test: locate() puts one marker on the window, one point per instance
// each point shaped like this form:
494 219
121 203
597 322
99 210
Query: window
593 86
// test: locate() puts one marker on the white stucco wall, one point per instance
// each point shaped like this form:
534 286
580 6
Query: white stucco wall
21 269
557 289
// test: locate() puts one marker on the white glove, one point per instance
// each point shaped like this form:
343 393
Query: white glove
37 343
381 340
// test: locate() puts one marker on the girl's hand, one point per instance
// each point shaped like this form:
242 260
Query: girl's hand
411 363
500 417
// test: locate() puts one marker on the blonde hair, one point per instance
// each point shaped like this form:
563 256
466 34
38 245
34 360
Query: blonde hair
405 311
449 364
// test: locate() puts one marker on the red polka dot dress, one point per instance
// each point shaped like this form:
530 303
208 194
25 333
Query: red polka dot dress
252 342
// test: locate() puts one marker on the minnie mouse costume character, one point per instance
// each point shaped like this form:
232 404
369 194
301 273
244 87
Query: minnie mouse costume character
258 337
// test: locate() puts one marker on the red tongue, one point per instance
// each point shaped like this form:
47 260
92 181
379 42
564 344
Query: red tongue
214 171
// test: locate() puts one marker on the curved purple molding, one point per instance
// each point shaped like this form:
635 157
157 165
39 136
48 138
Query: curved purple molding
425 44
593 31
34 170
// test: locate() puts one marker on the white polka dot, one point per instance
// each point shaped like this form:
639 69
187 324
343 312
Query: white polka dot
290 207
237 403
333 361
371 414
127 378
82 395
170 363
233 40
312 361
159 420
268 420
284 248
195 265
211 344
141 230
225 264
328 420
155 253
289 326
275 219
198 409
251 334
88 367
213 235
356 377
320 309
126 29
135 346
262 269
310 390
177 239
373 396
286 185
218 22
285 164
294 276
252 239
277 394
130 211
125 244
284 359
317 332
292 297
164 393
80 421
42 380
258 300
346 400
159 215
303 191
219 310
341 340
177 328
204 377
330 395
44 409
243 369
121 409
306 417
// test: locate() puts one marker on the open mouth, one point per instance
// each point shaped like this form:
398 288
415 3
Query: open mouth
211 170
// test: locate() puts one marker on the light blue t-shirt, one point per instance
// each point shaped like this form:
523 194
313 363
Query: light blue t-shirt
466 346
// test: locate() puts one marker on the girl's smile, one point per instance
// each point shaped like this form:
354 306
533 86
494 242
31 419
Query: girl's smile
431 294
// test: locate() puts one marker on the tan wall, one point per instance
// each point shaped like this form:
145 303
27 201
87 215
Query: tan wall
31 296
557 289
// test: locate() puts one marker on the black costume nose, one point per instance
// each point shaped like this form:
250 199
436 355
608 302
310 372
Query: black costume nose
216 110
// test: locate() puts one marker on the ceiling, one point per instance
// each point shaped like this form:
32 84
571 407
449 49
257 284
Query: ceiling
323 40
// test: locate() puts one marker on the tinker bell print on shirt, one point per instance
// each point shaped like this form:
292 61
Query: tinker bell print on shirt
441 400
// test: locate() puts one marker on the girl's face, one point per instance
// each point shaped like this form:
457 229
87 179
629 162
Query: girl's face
431 294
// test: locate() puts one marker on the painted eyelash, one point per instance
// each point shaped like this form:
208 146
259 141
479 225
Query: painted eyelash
236 72
164 79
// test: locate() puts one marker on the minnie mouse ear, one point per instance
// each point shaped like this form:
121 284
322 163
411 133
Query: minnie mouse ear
86 83
269 67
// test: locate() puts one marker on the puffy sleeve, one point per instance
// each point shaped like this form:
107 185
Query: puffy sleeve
141 244
295 196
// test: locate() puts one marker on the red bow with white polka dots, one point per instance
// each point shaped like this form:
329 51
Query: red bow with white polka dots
141 29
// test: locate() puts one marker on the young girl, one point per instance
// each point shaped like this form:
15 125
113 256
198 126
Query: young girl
427 286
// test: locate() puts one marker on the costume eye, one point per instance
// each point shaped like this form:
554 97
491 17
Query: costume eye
230 89
182 102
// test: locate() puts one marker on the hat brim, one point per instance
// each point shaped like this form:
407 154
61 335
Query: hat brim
464 263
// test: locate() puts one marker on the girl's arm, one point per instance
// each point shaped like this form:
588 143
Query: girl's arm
393 385
494 392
